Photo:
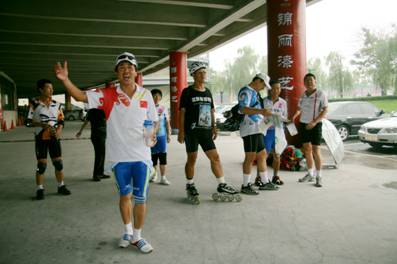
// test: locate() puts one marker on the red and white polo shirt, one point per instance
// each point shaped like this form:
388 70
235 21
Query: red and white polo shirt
125 117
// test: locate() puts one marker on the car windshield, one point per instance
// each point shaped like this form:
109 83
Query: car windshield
332 107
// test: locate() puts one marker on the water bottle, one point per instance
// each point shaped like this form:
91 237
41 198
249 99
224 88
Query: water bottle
148 132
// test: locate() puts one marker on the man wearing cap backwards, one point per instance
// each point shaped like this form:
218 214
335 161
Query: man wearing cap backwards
197 127
250 131
127 107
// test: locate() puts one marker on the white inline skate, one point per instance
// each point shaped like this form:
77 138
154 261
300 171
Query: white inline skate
226 193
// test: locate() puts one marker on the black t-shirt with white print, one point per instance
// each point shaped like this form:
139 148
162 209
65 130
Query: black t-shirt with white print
198 106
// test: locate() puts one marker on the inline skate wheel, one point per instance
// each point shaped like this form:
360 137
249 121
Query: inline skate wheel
215 197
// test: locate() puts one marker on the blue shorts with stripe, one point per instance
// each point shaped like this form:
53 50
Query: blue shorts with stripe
270 140
161 145
133 177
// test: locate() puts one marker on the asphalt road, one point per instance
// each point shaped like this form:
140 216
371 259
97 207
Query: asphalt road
355 145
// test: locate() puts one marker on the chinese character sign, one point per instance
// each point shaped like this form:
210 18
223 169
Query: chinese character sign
287 47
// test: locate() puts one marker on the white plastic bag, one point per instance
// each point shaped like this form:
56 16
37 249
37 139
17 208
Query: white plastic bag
281 142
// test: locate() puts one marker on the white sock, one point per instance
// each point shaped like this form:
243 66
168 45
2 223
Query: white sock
163 177
136 235
190 181
41 187
319 173
221 179
128 229
246 179
61 183
264 176
311 172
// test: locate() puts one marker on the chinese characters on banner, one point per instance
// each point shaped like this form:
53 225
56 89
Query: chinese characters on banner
285 60
286 47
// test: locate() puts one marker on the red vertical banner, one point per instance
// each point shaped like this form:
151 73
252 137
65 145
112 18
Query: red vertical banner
178 82
286 26
139 79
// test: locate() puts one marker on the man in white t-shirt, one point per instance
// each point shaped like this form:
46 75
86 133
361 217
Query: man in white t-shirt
312 108
127 108
250 132
274 141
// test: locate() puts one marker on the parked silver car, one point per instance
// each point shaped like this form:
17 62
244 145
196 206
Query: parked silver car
381 132
348 116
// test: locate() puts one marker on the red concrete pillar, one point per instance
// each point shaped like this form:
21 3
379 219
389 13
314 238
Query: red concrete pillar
286 27
139 79
68 101
178 82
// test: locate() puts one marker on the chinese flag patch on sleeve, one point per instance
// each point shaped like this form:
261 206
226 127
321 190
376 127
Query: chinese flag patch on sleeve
143 104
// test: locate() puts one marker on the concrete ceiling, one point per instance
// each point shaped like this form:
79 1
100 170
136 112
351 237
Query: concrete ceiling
89 34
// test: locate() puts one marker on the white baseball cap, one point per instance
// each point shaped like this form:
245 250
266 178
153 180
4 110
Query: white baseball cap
126 56
264 78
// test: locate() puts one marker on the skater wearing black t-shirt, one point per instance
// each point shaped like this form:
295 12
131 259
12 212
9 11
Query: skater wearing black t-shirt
197 127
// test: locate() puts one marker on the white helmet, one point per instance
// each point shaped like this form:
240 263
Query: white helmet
264 78
197 65
126 56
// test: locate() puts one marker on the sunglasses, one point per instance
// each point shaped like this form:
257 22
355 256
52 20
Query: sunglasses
123 57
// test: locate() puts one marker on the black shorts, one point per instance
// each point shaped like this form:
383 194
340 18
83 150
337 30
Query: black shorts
162 157
254 143
52 145
202 137
312 136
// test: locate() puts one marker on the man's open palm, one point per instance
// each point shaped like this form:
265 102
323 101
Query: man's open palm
61 72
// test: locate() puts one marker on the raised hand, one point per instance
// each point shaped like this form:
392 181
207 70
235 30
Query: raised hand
61 73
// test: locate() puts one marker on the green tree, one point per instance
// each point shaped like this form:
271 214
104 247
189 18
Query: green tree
339 77
239 72
378 58
315 66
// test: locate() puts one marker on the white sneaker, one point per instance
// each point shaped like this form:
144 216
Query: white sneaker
143 246
153 175
125 241
164 181
307 177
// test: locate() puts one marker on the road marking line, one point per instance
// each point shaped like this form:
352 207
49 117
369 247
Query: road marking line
371 155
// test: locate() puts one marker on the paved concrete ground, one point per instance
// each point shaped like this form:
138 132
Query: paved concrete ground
351 220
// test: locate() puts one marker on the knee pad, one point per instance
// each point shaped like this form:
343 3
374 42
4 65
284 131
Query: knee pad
58 164
41 167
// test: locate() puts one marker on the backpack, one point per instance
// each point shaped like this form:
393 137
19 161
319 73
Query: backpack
234 118
290 159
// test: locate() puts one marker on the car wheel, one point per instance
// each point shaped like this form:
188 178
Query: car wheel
71 118
375 145
343 132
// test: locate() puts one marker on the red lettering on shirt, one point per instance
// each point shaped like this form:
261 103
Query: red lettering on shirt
124 99
143 104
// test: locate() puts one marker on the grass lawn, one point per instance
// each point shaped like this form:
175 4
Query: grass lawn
387 105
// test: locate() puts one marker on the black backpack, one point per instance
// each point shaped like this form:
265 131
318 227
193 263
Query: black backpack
234 118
